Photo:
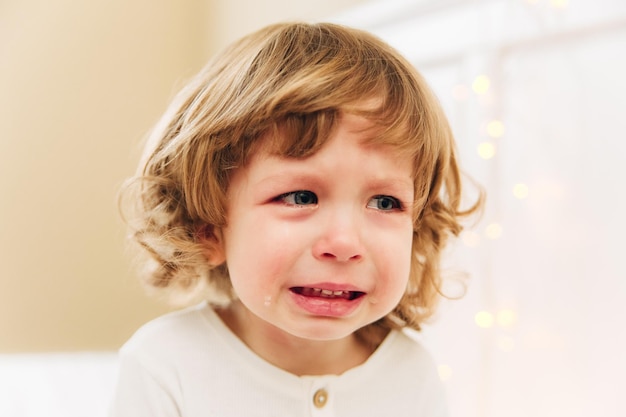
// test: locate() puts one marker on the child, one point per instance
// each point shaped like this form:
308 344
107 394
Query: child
303 185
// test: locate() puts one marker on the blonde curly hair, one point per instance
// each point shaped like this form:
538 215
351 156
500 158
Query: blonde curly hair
296 79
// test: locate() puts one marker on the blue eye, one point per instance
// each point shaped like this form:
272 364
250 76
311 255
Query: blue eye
299 198
385 203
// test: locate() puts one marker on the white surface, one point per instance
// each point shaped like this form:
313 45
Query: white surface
57 385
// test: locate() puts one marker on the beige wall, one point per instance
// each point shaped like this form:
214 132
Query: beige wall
234 18
80 84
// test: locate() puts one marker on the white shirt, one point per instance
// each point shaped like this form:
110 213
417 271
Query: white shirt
189 364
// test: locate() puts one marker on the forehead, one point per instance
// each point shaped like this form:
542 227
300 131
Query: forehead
354 143
306 138
301 136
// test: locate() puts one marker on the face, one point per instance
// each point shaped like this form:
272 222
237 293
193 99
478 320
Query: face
320 247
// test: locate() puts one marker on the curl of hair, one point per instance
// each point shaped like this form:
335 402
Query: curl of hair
289 81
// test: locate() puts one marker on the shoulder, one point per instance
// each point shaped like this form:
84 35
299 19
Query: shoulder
174 332
416 370
408 347
416 365
403 356
156 360
400 376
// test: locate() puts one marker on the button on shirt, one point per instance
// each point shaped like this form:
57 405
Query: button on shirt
320 398
321 404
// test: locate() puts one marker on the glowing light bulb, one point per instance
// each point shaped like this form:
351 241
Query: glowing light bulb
445 372
495 129
506 317
486 150
481 84
559 4
520 191
484 319
493 231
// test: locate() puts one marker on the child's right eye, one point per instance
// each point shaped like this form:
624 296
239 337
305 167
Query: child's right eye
298 198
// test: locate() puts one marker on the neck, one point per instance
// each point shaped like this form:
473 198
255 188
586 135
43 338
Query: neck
294 354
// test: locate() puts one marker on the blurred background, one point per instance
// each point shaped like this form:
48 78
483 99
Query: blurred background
536 94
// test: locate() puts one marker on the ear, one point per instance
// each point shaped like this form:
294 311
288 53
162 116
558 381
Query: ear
212 240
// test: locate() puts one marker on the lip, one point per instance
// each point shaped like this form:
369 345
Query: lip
331 286
327 299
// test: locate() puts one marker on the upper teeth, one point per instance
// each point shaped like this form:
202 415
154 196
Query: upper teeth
322 292
329 292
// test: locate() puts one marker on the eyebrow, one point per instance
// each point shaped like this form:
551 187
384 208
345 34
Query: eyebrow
287 178
395 182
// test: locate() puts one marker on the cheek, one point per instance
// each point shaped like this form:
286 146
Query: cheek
258 249
395 258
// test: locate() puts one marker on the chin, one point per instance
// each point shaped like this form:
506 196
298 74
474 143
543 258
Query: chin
322 332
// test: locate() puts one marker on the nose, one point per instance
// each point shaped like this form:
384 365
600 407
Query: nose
339 238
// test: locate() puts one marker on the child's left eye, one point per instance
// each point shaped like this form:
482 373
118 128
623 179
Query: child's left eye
385 203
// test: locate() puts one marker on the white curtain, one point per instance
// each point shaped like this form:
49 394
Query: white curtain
536 93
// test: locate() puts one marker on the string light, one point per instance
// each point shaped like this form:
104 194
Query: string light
559 4
495 128
520 191
445 372
493 231
484 319
486 150
506 318
481 84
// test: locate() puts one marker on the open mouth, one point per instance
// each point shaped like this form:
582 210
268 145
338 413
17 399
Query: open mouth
323 293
